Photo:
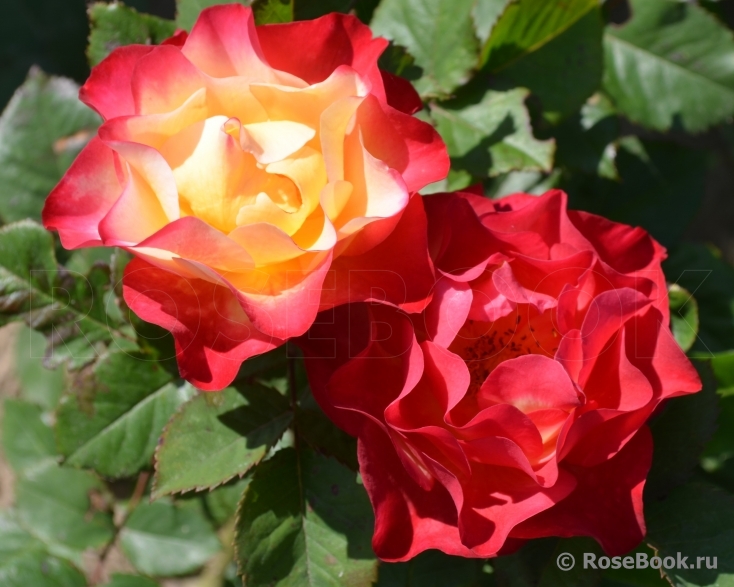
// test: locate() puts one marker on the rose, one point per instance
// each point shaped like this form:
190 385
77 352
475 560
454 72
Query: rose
514 407
258 174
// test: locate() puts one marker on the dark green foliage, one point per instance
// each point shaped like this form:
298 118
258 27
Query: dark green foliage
112 455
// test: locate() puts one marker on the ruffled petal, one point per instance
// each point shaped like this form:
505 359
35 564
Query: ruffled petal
606 503
85 195
213 334
108 89
312 49
224 43
408 519
401 94
404 280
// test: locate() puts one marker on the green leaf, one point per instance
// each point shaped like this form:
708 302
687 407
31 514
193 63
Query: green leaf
27 440
671 64
305 522
42 129
527 25
264 369
723 366
115 413
38 385
683 316
24 561
321 433
187 11
485 15
536 564
680 434
437 33
217 436
119 580
434 569
492 136
308 9
83 260
221 503
703 272
564 72
718 457
660 188
114 25
272 11
647 577
78 313
529 182
696 520
456 180
55 504
587 142
162 539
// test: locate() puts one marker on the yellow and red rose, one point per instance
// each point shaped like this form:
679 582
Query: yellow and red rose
259 175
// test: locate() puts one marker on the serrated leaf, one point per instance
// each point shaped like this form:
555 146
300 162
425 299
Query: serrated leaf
492 136
696 520
562 73
162 539
217 436
55 504
434 569
671 64
485 15
115 413
438 34
272 11
642 577
305 522
42 129
114 25
127 445
75 311
24 561
527 25
680 434
119 580
683 316
222 502
703 272
27 440
187 11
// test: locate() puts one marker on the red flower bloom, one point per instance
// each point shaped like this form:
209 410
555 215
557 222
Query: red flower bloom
258 174
514 406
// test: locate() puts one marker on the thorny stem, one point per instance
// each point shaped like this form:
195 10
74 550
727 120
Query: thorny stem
137 494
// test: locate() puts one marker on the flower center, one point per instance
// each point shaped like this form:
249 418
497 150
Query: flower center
484 345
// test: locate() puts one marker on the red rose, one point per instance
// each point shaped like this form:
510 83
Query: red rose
514 407
258 175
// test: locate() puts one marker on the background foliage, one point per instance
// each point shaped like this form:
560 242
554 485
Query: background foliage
124 476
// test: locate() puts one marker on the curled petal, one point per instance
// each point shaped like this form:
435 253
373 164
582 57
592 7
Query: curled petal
213 334
85 195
